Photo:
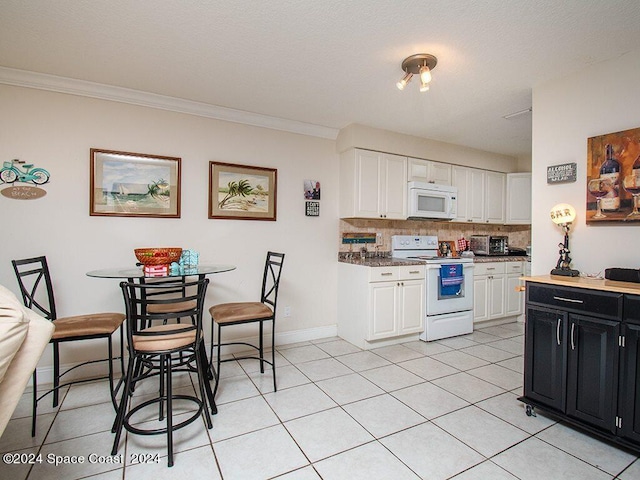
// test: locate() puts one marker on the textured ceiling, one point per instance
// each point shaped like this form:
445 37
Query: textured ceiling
330 62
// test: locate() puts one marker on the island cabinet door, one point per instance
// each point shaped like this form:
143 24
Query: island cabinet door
545 357
629 401
592 371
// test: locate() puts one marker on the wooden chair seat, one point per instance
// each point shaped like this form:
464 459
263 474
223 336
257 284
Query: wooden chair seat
240 312
96 324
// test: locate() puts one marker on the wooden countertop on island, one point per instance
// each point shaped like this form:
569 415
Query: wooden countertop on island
585 282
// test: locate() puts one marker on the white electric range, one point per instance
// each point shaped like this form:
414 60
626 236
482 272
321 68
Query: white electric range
449 286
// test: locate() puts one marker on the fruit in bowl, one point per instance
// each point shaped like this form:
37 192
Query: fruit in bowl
158 256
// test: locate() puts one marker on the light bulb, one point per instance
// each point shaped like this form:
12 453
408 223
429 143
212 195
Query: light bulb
562 214
425 74
424 87
403 83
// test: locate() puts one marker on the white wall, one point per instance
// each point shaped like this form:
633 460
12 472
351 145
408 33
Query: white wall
602 99
55 131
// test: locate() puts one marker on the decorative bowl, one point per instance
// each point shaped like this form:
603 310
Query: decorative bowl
158 256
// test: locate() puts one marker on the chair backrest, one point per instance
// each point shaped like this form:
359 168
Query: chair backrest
35 285
271 278
139 296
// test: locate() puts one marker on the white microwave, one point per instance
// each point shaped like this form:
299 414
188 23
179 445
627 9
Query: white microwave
429 200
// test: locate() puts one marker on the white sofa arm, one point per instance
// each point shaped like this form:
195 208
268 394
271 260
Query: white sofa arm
23 337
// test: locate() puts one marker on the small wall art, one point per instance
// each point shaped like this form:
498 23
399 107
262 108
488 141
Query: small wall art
613 177
311 190
124 184
18 171
242 192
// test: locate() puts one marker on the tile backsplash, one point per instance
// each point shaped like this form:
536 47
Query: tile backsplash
519 235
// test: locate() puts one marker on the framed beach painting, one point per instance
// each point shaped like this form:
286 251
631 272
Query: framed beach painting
127 184
242 192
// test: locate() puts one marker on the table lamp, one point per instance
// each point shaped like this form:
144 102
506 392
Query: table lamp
563 214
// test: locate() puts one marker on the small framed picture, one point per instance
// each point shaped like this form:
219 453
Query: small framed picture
124 184
242 192
312 209
311 190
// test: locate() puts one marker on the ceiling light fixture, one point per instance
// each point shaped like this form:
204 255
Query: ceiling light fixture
420 64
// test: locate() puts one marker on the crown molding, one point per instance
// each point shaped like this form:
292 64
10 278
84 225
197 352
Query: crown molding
53 83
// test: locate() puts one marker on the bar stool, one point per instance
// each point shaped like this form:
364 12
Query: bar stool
36 287
238 313
158 348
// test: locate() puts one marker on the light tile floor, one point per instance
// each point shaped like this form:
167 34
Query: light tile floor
438 410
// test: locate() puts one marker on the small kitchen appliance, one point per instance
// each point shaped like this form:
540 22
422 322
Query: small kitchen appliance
449 286
489 245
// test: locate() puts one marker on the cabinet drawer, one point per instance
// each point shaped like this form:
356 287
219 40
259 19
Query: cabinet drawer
632 308
383 274
490 268
592 302
411 272
514 267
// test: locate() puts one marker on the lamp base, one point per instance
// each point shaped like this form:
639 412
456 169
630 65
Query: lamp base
566 272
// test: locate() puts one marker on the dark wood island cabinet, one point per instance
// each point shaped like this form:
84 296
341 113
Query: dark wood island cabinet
582 354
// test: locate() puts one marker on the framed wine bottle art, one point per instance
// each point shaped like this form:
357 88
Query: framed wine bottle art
613 177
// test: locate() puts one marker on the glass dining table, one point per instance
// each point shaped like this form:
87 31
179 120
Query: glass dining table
137 273
133 274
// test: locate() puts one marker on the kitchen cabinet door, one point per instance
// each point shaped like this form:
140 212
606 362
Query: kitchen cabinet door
368 181
476 196
518 199
412 306
545 357
629 400
495 184
393 192
384 308
471 197
497 296
480 298
592 380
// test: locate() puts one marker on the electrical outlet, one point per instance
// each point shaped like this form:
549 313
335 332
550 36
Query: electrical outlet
287 311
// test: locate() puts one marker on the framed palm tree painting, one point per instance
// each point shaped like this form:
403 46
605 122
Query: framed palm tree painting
242 192
125 184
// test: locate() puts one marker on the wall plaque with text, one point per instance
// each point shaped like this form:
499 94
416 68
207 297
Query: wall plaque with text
564 173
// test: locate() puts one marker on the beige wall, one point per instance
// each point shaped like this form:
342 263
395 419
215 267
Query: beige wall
601 99
55 131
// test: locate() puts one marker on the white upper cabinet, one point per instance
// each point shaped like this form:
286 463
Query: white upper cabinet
518 198
419 170
495 185
481 195
373 185
470 184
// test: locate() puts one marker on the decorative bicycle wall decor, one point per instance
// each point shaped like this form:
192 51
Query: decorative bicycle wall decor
21 172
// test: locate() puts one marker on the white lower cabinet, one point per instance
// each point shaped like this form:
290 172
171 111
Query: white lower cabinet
494 290
377 305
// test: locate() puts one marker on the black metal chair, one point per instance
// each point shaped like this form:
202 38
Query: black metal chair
160 346
226 314
36 288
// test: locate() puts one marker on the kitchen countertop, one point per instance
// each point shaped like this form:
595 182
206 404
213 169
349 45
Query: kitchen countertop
505 258
380 261
584 282
392 261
